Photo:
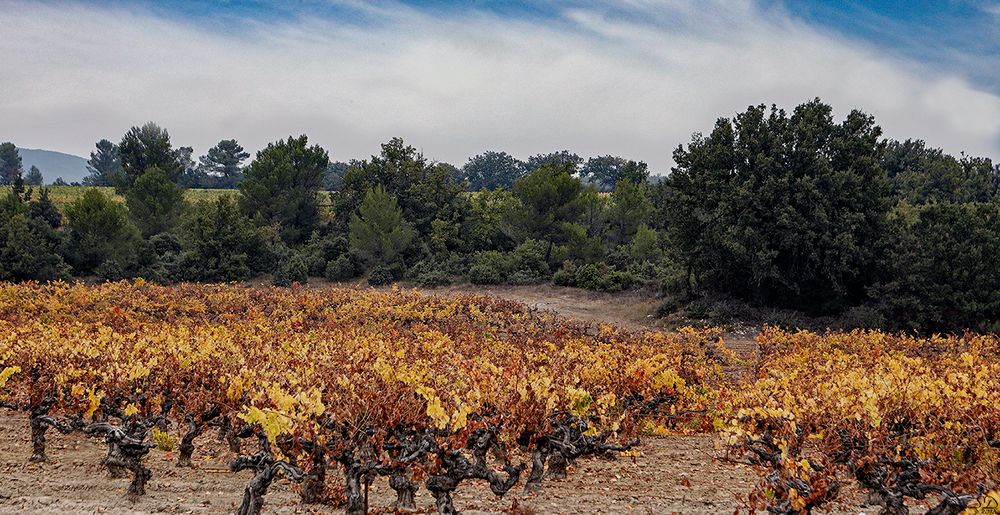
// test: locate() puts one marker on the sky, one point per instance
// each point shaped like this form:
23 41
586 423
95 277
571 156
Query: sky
633 78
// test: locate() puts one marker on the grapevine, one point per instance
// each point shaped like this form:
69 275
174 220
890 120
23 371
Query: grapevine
413 388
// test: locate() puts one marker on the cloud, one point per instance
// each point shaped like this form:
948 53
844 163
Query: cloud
633 78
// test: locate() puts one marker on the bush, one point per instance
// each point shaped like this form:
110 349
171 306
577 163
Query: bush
292 270
218 241
99 230
432 272
565 276
865 316
489 267
669 306
319 251
433 278
28 250
380 276
111 270
341 269
599 277
527 263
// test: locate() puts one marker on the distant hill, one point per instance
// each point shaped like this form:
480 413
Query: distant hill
54 164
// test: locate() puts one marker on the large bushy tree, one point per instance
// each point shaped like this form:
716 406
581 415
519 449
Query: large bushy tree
565 158
425 191
378 232
99 231
104 166
781 209
549 200
281 187
492 170
154 202
10 164
224 163
604 172
146 147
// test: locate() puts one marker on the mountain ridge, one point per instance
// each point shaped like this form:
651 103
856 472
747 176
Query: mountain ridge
54 164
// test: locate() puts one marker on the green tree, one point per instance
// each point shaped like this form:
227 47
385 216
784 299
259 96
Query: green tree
425 191
281 187
378 232
104 165
645 245
783 210
28 245
333 180
565 158
33 177
10 164
630 207
484 226
942 268
99 231
145 147
218 241
192 175
43 209
549 201
492 170
605 172
921 175
154 202
224 162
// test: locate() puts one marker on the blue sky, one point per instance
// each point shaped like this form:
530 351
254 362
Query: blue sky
957 35
626 77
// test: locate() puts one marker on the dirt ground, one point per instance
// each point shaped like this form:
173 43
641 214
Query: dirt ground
679 474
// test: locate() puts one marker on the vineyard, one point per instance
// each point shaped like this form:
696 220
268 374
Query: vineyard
337 390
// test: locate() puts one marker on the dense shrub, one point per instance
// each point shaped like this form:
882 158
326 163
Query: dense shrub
342 268
527 262
436 272
319 251
566 275
599 277
292 270
489 267
218 241
380 276
99 230
943 274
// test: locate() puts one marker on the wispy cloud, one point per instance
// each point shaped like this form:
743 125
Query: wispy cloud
632 78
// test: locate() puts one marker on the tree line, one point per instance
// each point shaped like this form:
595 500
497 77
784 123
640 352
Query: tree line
788 210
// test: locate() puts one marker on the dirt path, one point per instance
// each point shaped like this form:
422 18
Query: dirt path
627 309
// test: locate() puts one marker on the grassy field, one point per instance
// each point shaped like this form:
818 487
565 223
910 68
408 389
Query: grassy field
63 195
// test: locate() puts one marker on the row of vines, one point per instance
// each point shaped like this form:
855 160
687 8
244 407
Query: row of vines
336 389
